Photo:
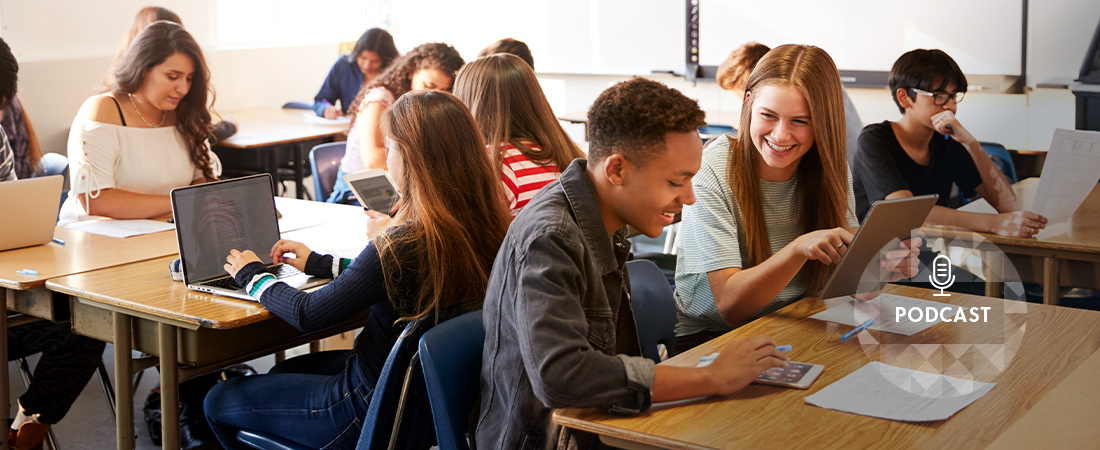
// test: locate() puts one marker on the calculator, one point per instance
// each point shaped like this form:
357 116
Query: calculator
796 375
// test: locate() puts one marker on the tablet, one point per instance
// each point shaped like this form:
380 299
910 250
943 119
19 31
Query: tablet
887 220
373 189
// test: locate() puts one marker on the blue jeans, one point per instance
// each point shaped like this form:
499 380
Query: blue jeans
322 411
341 191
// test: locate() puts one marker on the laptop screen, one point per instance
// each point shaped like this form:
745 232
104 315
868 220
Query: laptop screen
214 218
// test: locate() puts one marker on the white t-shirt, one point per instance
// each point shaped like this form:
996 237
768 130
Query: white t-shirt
353 161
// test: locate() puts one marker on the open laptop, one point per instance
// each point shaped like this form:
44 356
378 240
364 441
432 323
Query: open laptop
887 220
214 218
30 211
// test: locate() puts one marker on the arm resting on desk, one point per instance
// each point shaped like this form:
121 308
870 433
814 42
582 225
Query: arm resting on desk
120 204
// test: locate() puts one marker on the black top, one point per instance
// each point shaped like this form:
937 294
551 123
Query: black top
881 167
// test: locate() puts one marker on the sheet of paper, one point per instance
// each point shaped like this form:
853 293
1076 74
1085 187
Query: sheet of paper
299 214
314 119
849 311
121 228
888 392
1070 172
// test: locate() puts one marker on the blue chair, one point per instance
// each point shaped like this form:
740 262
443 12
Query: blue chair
712 130
298 105
324 163
654 308
450 356
1001 158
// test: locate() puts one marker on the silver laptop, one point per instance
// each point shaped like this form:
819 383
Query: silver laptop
29 211
887 220
214 218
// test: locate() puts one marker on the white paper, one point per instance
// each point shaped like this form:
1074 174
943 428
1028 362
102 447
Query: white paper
299 214
314 119
849 311
888 392
121 228
1070 172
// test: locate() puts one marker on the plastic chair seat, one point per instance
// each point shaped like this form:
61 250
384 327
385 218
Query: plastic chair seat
263 441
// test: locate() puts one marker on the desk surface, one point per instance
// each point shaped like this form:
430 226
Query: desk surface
262 127
1054 345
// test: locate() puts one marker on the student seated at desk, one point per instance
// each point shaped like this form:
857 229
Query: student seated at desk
559 326
24 143
510 46
374 52
434 257
428 66
131 145
775 209
68 361
526 141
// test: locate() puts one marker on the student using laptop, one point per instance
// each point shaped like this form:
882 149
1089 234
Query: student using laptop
68 361
526 140
775 209
434 258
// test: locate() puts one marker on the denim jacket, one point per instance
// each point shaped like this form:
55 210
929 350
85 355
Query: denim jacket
559 328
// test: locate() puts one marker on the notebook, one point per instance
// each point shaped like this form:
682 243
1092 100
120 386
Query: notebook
29 211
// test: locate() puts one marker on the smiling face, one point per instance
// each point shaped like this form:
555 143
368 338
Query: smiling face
370 64
781 129
650 196
166 84
431 79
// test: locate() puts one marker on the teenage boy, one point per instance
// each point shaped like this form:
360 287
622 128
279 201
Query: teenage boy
928 150
559 328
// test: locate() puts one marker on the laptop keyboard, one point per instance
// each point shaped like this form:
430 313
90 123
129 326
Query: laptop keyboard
280 271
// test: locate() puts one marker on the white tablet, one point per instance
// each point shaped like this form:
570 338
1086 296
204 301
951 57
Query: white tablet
373 189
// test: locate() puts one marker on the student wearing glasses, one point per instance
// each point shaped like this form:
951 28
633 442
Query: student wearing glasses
928 150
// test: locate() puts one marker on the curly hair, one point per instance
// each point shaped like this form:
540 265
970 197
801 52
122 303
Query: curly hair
632 118
398 77
734 72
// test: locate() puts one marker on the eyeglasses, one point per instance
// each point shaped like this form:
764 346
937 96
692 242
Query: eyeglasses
941 98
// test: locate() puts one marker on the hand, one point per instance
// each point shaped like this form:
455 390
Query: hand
1018 224
377 223
237 259
941 120
284 247
902 262
826 246
332 112
743 360
236 124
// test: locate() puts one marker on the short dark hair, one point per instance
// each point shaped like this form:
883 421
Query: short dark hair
510 46
927 70
632 118
9 75
379 41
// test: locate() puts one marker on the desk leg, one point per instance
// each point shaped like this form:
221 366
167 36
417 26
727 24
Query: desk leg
1052 272
994 274
124 397
169 387
273 167
299 170
5 296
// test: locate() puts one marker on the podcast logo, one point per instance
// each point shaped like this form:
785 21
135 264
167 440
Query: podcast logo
941 277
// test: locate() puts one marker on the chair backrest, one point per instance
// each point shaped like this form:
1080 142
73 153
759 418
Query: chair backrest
385 401
298 105
654 308
450 355
324 164
1001 158
712 130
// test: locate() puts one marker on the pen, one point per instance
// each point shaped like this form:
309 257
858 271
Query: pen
712 356
27 272
861 327
58 241
947 136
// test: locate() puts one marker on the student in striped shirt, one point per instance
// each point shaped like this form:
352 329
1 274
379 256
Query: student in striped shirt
526 141
774 208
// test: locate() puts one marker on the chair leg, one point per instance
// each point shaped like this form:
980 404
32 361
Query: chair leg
108 390
25 373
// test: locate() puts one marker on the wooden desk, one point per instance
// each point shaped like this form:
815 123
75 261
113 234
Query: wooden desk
268 137
1056 343
1065 254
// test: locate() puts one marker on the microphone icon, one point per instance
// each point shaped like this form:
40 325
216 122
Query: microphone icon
941 277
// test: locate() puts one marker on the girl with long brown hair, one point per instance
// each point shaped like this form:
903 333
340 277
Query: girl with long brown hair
434 257
527 143
147 134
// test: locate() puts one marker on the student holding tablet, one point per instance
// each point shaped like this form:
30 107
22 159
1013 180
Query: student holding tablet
372 55
435 258
774 207
525 139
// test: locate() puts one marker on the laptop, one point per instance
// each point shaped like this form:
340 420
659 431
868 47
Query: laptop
214 218
887 220
29 211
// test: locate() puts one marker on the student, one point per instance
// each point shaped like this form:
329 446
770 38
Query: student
372 55
928 150
734 72
559 328
24 142
512 46
148 134
774 208
428 66
435 258
526 142
68 361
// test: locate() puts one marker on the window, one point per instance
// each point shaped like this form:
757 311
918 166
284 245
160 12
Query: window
265 23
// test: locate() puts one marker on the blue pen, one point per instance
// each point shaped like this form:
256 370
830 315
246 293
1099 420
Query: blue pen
947 136
861 327
58 241
27 272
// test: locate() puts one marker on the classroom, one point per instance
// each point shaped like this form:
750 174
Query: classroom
725 223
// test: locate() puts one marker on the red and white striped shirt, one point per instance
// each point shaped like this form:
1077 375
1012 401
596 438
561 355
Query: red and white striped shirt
523 178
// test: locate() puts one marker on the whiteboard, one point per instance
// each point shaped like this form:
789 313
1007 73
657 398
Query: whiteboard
612 37
983 36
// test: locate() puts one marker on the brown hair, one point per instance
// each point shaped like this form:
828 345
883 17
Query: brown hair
510 108
733 73
456 232
632 118
142 19
397 77
34 149
378 41
511 46
823 171
152 46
